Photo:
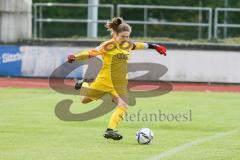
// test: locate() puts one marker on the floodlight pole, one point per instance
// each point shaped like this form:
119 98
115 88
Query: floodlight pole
225 31
92 17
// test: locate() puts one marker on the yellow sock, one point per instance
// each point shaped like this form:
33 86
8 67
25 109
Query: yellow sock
117 117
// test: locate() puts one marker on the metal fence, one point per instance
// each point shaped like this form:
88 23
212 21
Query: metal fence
225 24
39 20
148 7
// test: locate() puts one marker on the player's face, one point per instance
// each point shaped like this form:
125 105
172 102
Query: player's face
122 36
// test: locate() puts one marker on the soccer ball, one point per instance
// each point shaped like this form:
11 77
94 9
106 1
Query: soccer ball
144 136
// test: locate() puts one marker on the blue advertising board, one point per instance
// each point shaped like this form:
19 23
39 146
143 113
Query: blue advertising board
10 61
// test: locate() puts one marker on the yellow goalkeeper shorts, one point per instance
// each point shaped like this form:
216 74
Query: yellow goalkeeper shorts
97 89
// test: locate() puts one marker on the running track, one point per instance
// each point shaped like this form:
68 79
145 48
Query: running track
200 87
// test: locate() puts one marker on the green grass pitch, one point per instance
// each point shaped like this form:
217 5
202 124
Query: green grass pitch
29 128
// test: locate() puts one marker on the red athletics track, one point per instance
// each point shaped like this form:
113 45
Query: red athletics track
200 87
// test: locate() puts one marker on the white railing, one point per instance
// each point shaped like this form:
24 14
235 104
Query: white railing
218 25
39 20
148 7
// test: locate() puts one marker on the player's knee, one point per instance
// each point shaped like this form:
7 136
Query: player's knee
85 100
123 104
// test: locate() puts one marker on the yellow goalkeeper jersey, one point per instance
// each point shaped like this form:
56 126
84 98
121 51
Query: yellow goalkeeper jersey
115 61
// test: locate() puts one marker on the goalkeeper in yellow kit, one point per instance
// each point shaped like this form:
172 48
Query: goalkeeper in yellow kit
112 77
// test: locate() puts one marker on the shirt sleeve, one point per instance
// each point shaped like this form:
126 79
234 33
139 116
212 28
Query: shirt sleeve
140 45
100 50
83 55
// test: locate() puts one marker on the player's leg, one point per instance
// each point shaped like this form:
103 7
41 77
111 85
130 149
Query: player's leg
91 91
117 117
85 99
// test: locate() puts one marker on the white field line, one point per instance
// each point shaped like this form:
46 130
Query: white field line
190 144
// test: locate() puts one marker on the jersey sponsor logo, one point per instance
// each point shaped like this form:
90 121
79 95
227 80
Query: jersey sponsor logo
122 56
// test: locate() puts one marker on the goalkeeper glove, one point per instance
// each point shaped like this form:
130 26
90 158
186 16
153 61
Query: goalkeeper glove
160 49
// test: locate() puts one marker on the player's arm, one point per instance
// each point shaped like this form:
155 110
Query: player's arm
142 45
84 55
78 56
